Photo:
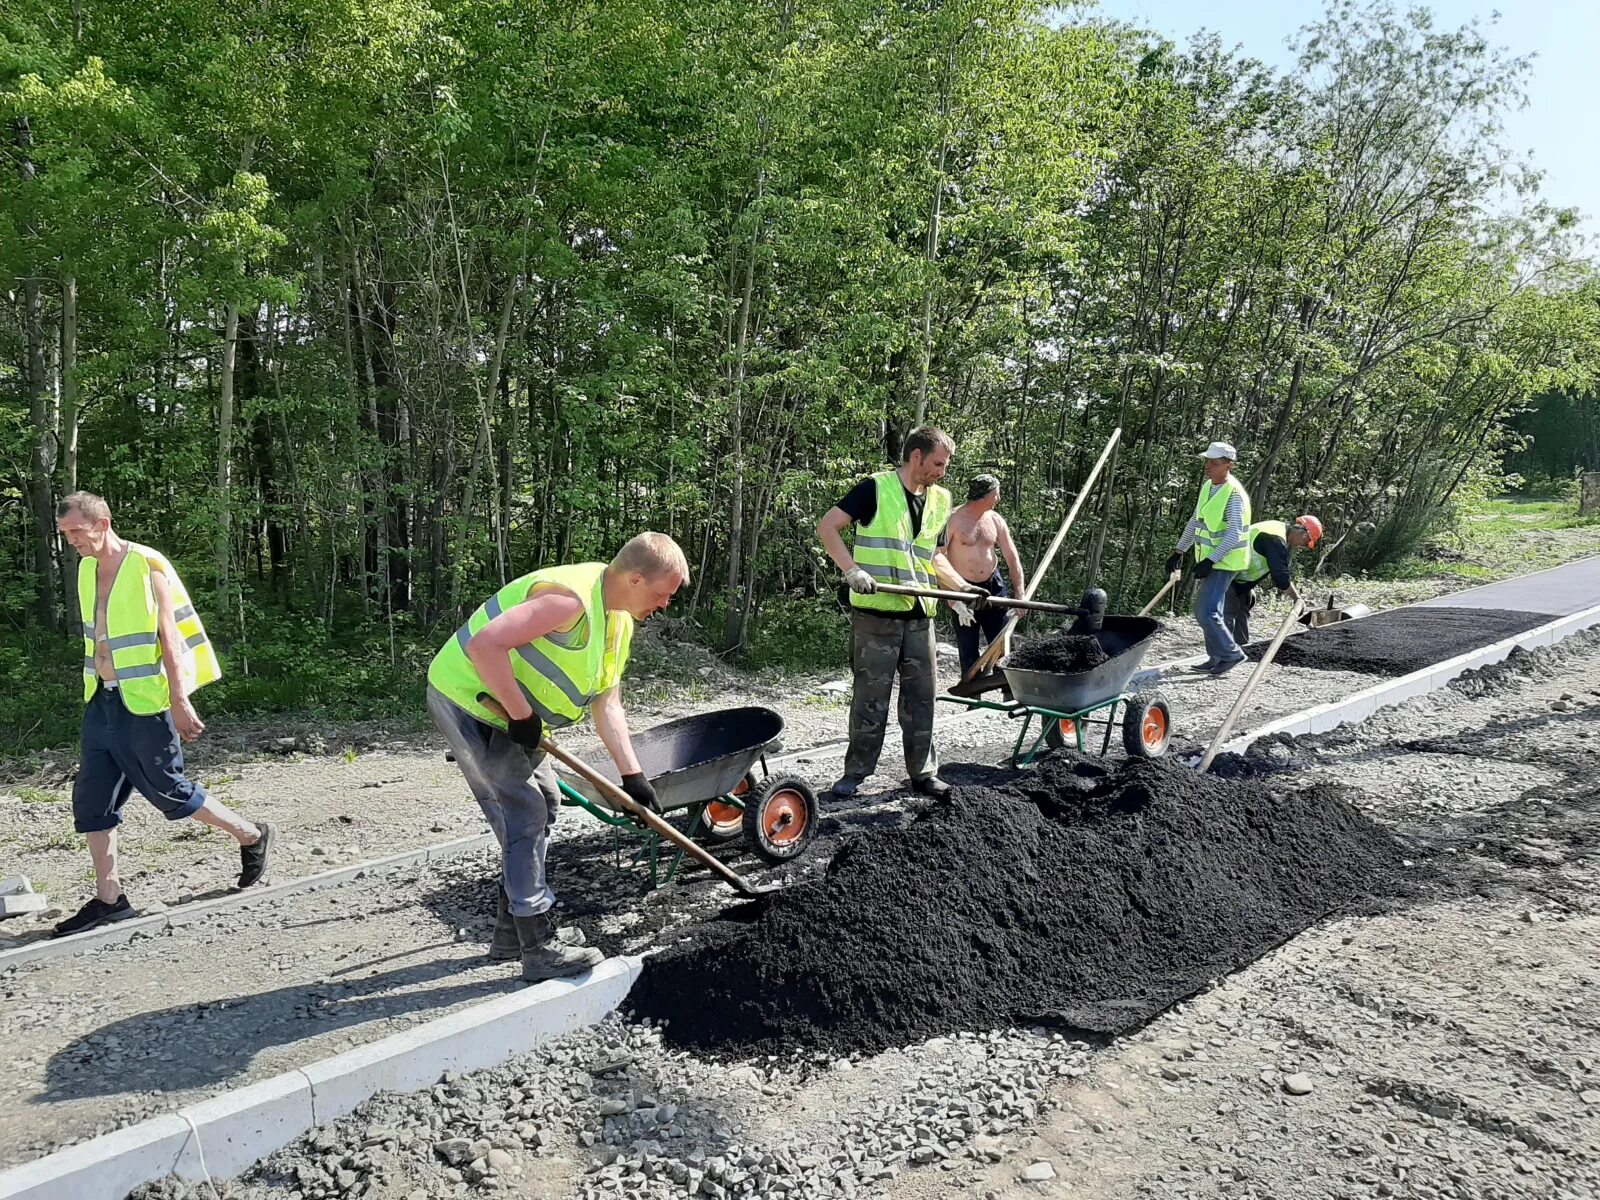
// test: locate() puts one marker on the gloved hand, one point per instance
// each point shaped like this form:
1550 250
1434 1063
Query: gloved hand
1203 568
1174 564
963 612
857 579
526 732
641 793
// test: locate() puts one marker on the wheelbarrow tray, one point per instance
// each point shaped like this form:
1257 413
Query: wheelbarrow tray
695 758
1125 639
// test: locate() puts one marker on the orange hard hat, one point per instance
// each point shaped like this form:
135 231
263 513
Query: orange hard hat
1313 528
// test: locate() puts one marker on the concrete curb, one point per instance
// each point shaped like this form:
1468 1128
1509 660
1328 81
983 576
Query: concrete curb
1419 683
226 1134
188 914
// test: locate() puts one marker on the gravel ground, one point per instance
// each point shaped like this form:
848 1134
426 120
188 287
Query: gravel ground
1446 1047
103 1039
356 793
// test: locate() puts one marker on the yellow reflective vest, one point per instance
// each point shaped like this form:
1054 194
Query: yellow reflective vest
1258 567
132 633
559 674
886 550
1213 513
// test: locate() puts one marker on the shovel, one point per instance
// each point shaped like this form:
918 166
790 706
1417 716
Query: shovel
1250 686
897 589
1165 588
657 824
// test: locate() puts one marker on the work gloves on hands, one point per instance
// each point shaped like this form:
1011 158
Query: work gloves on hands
857 580
1203 568
1174 564
641 793
526 732
963 612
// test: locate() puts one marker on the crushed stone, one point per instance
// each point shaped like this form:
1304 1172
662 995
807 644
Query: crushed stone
1078 894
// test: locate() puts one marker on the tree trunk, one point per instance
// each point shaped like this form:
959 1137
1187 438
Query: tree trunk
223 537
69 426
40 409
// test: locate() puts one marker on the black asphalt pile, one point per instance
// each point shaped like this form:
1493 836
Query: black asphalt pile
1060 653
1400 641
1077 894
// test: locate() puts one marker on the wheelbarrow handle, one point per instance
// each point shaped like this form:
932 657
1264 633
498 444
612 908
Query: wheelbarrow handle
653 821
897 589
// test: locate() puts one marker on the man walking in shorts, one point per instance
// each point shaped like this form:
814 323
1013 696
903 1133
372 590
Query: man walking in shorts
144 654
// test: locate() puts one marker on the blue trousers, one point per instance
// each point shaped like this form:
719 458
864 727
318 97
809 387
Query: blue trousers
1209 599
518 794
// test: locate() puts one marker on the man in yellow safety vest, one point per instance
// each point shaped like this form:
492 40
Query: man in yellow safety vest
898 515
1216 533
144 654
1271 543
538 655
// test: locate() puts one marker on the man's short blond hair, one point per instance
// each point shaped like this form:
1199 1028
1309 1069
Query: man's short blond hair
926 438
85 504
652 555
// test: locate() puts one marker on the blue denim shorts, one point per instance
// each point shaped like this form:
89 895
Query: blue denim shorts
121 752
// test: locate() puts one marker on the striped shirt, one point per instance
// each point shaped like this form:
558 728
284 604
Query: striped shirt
1233 534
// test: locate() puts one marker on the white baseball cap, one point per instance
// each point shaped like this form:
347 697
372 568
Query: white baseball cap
1221 450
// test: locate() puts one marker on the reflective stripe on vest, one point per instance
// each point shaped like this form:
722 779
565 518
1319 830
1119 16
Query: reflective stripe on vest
1258 568
132 637
559 674
886 550
1213 513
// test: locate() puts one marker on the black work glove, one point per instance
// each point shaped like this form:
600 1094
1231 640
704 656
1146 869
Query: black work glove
526 732
1203 568
641 793
979 601
1174 563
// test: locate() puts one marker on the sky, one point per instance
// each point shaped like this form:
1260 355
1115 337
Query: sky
1559 129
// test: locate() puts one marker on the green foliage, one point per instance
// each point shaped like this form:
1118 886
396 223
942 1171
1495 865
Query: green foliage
513 282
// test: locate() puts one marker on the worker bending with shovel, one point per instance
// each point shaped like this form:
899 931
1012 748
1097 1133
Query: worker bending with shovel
899 515
1271 543
536 656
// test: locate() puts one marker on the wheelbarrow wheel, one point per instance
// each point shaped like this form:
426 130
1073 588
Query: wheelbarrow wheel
780 818
723 821
1146 726
1061 733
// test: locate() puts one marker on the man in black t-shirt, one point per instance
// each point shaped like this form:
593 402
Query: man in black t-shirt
892 636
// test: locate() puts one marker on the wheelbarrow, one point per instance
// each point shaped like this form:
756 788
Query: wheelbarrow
1064 705
703 770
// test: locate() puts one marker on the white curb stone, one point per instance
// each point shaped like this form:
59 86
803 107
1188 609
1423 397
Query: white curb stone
225 1134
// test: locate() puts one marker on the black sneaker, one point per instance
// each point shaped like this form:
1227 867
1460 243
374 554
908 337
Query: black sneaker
1204 668
1227 664
253 859
95 914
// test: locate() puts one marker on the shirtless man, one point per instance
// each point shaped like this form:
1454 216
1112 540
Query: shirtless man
971 541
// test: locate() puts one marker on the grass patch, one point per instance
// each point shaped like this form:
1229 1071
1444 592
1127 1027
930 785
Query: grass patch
33 795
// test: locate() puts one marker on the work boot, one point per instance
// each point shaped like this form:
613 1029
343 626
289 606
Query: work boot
504 946
931 785
848 786
546 956
95 914
256 857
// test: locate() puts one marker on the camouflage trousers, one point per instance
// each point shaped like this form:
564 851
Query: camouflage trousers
880 649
